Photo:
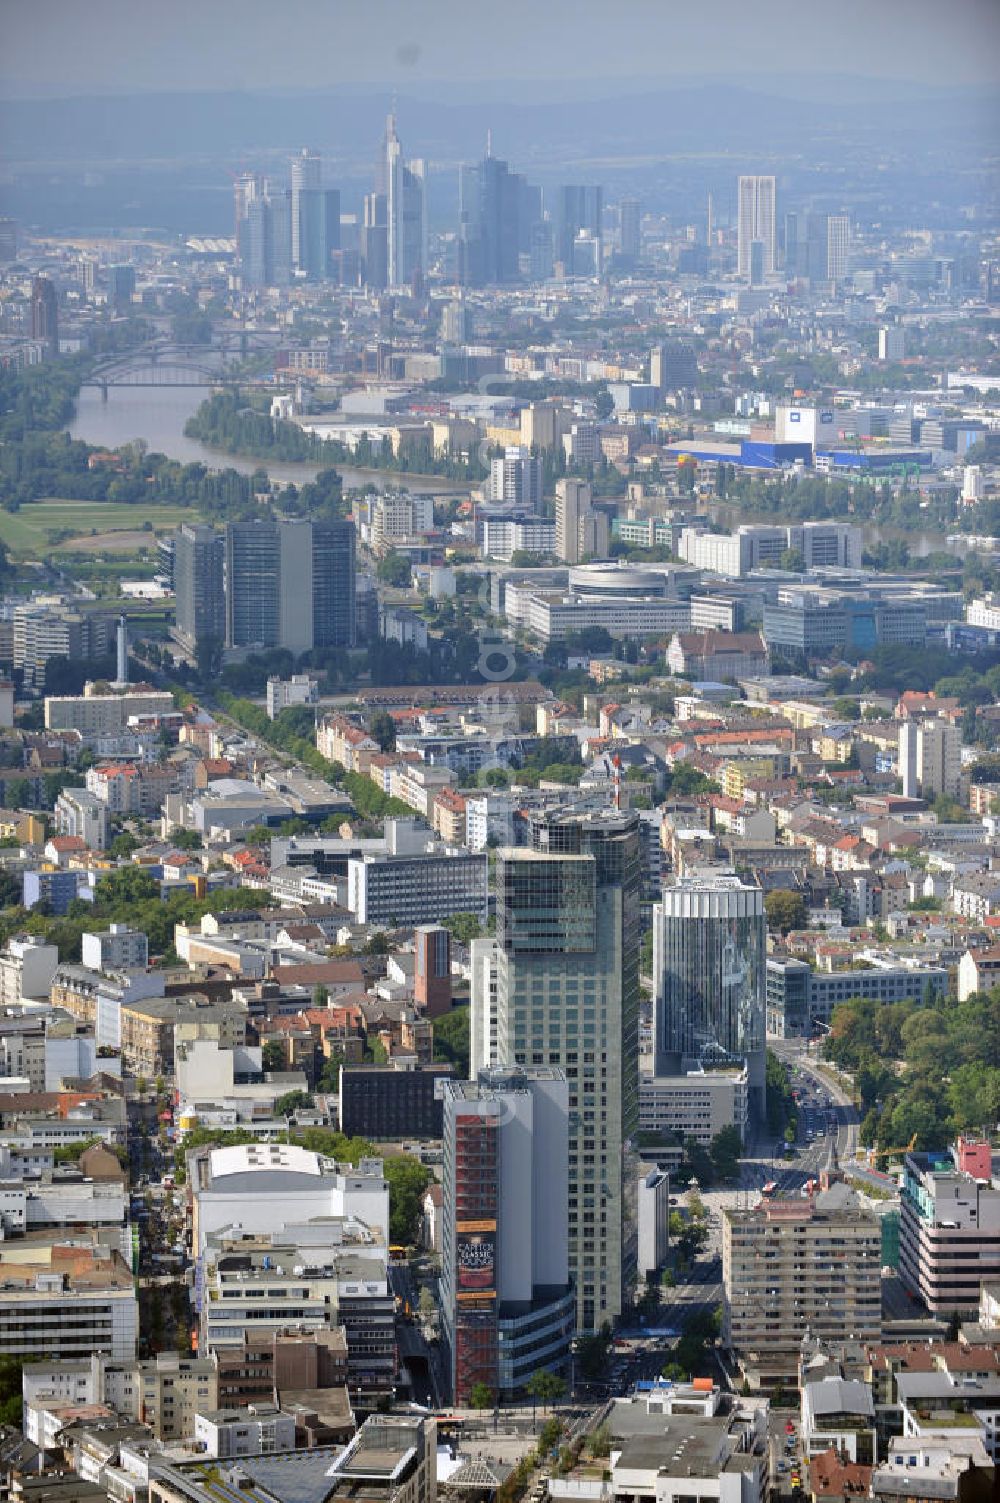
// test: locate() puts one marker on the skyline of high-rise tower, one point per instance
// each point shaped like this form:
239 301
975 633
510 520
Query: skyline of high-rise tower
404 189
756 223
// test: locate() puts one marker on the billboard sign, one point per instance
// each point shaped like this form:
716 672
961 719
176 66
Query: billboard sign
476 1259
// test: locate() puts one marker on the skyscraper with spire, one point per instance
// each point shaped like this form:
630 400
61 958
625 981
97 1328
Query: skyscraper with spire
403 186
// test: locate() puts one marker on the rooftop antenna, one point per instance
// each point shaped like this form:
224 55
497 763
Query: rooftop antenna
489 140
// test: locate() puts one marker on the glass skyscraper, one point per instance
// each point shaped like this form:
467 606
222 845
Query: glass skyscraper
709 969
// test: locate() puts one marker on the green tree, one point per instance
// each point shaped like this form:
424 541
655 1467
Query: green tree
481 1396
273 1055
785 910
394 570
382 727
725 1149
451 1040
465 927
291 1102
408 1178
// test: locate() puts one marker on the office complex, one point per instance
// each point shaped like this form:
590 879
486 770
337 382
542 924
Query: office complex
756 225
708 968
800 999
792 1267
289 583
562 980
949 1227
199 559
507 1305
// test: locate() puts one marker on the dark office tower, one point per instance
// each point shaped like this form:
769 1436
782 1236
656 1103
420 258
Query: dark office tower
333 584
567 996
45 314
541 252
630 223
198 559
307 175
318 224
792 243
497 212
8 239
757 262
253 583
672 367
375 242
579 210
121 287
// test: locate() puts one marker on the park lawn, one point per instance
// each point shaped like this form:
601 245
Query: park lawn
27 531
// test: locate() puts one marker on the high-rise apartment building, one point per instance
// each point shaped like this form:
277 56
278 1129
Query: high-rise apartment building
306 174
406 211
515 476
756 223
565 995
949 1226
930 759
507 1304
792 1267
45 314
709 935
199 555
290 583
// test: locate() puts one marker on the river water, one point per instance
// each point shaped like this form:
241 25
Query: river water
158 415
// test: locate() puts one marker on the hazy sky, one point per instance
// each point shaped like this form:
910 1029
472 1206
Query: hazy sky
67 47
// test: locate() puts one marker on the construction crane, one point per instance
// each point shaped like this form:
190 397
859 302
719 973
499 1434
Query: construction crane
890 1153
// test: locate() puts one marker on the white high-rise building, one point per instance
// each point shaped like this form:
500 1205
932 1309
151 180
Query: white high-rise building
406 211
838 242
306 174
891 343
756 222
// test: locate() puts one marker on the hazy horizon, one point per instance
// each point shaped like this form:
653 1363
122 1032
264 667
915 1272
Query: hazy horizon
57 49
